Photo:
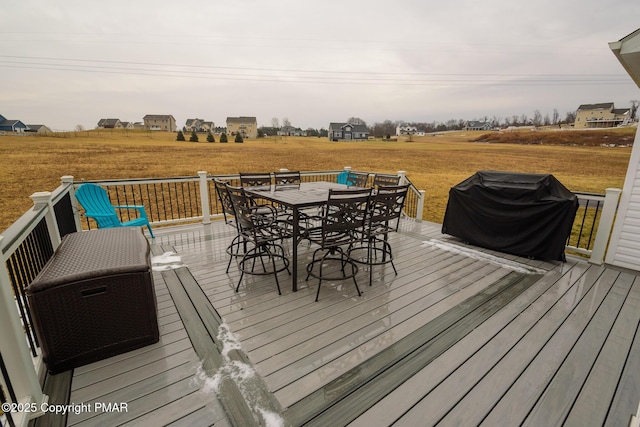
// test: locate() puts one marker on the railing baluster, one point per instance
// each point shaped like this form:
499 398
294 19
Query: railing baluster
593 224
7 381
149 202
171 200
184 192
3 399
12 268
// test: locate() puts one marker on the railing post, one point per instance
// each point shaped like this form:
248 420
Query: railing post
420 209
605 225
403 177
67 180
40 200
15 352
204 197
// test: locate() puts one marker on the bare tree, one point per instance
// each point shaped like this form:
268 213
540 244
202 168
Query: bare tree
537 118
634 107
275 123
285 122
386 128
570 117
356 121
556 116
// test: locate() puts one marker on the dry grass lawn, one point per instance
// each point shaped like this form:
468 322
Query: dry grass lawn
434 163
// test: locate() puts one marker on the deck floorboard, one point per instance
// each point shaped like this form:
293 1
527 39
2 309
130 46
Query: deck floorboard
460 336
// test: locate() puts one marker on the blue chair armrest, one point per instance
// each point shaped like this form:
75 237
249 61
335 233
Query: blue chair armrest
129 207
100 215
140 209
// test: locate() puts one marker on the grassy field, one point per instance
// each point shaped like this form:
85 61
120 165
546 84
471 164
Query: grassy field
434 163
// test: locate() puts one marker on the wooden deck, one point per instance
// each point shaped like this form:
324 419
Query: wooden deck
459 337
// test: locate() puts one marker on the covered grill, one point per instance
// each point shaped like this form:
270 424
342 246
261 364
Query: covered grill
528 215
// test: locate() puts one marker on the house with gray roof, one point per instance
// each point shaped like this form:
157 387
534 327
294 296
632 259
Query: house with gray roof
477 125
110 124
193 125
12 125
198 125
39 129
291 131
347 132
602 115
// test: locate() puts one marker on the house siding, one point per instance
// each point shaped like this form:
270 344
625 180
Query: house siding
347 132
602 115
13 126
245 126
160 123
476 125
624 249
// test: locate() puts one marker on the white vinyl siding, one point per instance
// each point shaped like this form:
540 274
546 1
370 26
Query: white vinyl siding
624 250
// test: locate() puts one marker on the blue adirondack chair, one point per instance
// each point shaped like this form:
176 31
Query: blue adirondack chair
96 204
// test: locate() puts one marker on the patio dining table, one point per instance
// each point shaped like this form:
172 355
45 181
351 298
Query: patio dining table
306 195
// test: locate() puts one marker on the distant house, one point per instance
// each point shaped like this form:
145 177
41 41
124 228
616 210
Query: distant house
603 115
138 125
245 126
192 125
477 125
12 125
109 124
39 129
127 125
347 132
159 122
291 131
198 125
406 130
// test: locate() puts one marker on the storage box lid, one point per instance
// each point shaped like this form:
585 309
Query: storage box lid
94 253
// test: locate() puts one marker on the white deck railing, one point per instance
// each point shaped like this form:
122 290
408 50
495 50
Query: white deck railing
28 243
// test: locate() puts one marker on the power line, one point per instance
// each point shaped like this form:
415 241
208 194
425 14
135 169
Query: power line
354 82
284 70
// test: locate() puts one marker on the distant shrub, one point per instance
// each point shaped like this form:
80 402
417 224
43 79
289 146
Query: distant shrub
223 137
210 137
194 136
180 136
239 138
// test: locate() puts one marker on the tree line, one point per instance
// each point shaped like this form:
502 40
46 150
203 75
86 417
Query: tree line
388 127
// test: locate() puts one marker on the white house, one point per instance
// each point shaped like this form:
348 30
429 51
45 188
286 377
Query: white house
477 125
406 130
624 246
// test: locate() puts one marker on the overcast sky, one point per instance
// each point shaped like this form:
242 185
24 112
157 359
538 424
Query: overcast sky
65 63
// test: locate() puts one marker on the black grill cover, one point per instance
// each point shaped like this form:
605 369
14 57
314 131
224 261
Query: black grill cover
528 215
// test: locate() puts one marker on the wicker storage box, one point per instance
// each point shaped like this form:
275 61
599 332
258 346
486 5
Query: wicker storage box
94 298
